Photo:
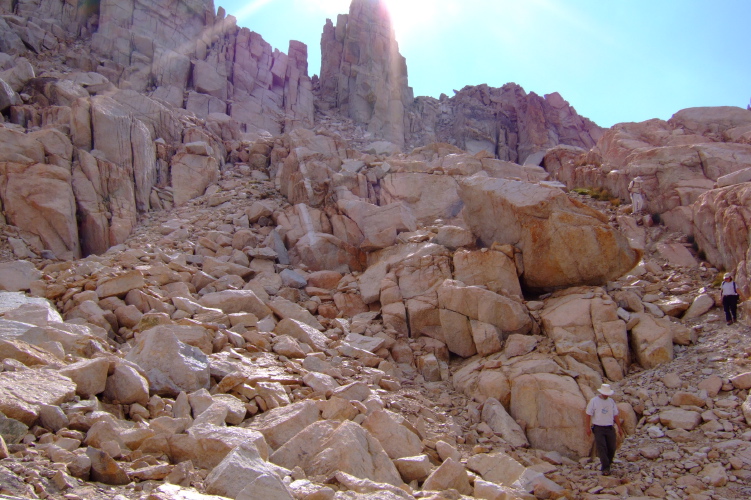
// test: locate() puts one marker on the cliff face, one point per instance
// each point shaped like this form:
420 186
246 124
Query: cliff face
363 75
506 122
184 54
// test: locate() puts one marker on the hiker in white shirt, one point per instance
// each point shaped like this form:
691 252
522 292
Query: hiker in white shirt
729 298
602 417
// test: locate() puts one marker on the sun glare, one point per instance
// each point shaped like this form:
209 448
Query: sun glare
412 17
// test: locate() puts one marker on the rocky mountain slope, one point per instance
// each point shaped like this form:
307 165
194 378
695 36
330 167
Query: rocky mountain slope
224 275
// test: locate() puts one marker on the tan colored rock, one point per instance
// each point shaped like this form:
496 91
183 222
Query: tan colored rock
90 376
483 305
238 470
298 450
492 268
170 365
236 301
495 415
38 198
680 419
120 285
286 309
450 475
281 424
353 450
17 275
457 333
104 469
551 407
676 254
209 444
652 341
127 386
535 220
415 468
23 393
379 225
302 332
499 468
682 398
396 439
742 381
486 336
26 353
323 251
191 175
492 491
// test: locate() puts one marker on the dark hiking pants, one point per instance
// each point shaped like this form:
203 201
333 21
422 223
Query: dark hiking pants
730 304
605 444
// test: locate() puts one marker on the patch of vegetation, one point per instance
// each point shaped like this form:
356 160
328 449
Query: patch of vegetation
717 281
600 194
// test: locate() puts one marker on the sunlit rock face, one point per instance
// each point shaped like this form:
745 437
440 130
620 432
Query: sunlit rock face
506 122
563 243
363 75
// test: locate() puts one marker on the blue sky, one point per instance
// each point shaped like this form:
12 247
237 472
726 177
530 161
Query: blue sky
614 61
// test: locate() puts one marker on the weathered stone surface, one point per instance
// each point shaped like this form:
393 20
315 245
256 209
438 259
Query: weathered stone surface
286 309
281 424
120 285
362 72
17 275
652 341
353 450
127 386
90 376
680 419
483 305
238 470
209 444
23 393
415 468
396 439
495 415
551 406
303 332
191 175
170 365
535 219
450 475
104 469
236 301
586 327
490 268
38 198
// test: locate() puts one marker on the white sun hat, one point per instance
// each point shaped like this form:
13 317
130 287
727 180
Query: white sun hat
606 390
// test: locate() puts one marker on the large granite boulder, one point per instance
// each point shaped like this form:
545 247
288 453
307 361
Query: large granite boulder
563 243
170 366
551 406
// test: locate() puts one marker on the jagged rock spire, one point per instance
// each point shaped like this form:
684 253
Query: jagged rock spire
362 72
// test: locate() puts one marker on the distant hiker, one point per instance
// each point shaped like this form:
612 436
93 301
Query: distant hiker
636 191
602 418
729 298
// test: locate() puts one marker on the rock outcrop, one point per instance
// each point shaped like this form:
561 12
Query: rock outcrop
363 75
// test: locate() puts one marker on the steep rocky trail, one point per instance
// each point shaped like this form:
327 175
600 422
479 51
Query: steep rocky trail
660 467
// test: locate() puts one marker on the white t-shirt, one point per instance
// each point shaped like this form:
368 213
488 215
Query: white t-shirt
728 288
602 411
